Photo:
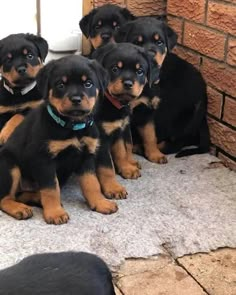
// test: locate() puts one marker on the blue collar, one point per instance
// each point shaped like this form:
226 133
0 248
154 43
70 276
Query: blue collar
69 124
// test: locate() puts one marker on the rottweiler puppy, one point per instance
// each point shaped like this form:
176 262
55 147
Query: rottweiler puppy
129 68
21 58
101 23
58 273
173 112
55 140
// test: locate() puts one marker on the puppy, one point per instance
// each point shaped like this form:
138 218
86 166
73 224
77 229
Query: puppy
179 119
55 140
58 273
129 68
101 23
21 57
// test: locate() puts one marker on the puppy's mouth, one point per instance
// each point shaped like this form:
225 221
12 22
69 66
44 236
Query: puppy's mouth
23 81
124 98
75 113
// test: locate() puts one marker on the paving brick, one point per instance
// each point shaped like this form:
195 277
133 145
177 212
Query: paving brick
215 271
230 111
231 55
223 136
222 16
189 9
215 99
219 75
176 24
204 40
227 161
147 7
188 55
98 3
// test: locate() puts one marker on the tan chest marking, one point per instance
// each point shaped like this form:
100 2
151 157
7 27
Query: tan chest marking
20 107
110 127
57 146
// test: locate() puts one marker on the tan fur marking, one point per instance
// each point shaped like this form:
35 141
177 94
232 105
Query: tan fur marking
96 41
91 190
140 38
99 22
137 66
9 127
56 146
156 37
32 71
120 64
25 51
116 87
64 79
10 76
159 57
91 143
110 127
84 78
155 102
21 107
140 100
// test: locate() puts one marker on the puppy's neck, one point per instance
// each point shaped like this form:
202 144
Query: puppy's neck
21 91
116 103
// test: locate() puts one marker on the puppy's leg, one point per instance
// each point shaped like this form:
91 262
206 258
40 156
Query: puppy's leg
30 198
51 203
129 147
9 183
9 127
91 189
151 151
124 168
106 175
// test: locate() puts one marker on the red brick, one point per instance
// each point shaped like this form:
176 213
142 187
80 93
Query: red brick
102 2
176 24
222 16
215 99
147 7
227 161
231 56
204 40
220 75
230 111
189 9
188 55
223 136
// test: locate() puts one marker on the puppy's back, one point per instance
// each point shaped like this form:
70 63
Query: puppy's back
57 273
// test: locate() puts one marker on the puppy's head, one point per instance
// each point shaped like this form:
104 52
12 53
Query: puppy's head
72 84
101 23
129 68
21 57
151 33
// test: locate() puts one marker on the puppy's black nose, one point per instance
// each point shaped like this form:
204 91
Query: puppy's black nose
21 70
105 36
128 84
76 99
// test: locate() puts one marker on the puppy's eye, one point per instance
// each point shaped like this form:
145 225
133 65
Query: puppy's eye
60 85
140 72
137 42
30 56
115 69
116 26
159 42
88 84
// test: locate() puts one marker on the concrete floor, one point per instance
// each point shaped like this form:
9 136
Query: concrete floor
212 273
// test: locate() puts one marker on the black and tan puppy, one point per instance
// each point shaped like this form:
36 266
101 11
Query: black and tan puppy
180 117
101 23
21 57
129 68
58 273
55 140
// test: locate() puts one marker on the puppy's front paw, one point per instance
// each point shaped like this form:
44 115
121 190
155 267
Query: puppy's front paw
135 163
156 157
21 211
129 171
114 190
105 206
57 216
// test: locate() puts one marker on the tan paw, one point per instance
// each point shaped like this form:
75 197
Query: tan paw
114 190
21 211
135 163
157 157
57 216
130 172
105 206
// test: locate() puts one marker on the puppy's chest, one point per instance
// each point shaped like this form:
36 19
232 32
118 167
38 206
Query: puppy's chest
115 126
81 145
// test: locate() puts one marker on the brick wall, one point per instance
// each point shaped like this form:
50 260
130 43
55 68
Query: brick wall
207 38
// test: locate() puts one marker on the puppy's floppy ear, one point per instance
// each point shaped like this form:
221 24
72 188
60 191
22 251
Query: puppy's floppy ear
85 23
153 69
100 53
42 78
127 14
102 75
123 32
40 43
171 37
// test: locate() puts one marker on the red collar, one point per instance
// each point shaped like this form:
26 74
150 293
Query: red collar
114 101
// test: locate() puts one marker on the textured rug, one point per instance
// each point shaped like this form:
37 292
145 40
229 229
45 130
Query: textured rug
185 206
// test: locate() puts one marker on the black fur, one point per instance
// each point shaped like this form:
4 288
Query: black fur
180 119
58 273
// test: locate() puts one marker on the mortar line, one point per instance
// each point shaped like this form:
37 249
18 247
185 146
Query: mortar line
122 293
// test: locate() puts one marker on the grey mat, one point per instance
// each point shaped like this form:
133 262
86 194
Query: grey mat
185 205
